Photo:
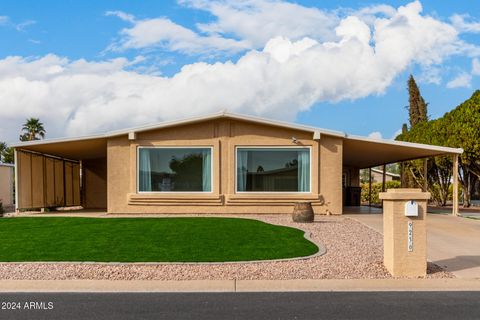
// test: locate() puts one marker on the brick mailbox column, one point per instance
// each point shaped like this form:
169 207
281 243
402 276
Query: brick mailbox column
404 232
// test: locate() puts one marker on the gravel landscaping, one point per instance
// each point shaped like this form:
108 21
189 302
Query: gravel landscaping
354 251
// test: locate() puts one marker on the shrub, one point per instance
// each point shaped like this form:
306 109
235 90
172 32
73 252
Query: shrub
1 208
376 189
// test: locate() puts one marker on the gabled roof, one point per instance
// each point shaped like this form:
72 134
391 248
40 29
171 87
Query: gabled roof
361 143
173 123
230 115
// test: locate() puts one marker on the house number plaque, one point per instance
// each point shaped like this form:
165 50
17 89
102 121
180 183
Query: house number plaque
410 236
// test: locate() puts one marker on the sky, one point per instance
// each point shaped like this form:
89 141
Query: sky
90 67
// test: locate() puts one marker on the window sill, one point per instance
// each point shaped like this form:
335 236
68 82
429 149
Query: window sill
174 199
273 198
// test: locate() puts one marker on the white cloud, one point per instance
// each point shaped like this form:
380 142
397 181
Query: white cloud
259 21
280 80
122 15
23 25
463 80
430 74
375 135
462 25
476 67
163 33
6 21
249 24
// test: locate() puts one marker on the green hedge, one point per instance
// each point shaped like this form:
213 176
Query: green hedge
376 189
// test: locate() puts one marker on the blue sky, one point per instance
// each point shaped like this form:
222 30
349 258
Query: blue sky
85 68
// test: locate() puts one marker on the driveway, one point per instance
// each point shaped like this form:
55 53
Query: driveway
452 242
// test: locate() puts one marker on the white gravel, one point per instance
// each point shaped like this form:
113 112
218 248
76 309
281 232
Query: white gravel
354 251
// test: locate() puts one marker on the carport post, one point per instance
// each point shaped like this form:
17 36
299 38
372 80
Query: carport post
15 160
384 169
425 175
455 185
369 187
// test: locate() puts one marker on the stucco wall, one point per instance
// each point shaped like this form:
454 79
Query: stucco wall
95 183
331 166
223 135
6 185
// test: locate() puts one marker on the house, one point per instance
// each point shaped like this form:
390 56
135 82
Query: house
377 176
6 184
219 163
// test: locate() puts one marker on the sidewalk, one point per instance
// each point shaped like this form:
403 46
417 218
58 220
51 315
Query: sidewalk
240 285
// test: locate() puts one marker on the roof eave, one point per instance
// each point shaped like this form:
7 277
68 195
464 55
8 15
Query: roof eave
408 144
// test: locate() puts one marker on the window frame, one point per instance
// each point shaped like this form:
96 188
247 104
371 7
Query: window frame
273 147
137 170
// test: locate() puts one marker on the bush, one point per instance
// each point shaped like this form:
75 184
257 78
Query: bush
1 208
376 189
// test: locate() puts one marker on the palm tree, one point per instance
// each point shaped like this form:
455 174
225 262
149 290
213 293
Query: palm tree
33 129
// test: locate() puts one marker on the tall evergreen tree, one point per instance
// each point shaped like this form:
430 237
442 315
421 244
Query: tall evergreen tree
417 106
417 111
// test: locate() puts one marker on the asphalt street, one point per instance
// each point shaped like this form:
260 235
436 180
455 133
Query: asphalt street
302 305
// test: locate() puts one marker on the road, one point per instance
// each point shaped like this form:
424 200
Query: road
300 305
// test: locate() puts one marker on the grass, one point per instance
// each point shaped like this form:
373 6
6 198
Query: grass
148 240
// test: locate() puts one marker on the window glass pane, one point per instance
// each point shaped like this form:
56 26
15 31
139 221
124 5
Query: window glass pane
273 170
175 169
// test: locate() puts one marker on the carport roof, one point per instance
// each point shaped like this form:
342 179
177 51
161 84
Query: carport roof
358 151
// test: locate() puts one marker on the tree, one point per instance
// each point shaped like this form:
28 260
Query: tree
417 110
459 128
6 153
3 147
439 169
462 130
417 107
32 130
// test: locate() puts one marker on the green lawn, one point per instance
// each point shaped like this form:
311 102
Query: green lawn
148 240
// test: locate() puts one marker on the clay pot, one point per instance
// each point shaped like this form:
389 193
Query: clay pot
303 212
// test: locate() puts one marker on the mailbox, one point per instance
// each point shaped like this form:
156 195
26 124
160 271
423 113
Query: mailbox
411 208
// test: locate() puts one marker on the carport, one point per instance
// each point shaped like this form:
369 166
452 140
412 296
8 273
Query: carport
366 153
61 173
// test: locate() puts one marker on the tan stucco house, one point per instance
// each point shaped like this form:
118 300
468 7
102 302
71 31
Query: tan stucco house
219 163
6 184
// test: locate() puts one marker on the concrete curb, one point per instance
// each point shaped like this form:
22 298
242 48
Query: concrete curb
304 285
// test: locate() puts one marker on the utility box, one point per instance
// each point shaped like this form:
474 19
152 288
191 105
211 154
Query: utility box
404 232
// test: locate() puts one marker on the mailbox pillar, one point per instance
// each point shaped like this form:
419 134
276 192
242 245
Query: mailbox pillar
404 232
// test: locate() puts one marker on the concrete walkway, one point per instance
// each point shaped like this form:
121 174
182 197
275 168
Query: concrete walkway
453 242
304 285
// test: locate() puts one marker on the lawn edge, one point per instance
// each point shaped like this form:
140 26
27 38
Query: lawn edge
307 236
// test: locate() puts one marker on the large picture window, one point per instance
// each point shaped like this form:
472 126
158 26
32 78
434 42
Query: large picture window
273 169
174 169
